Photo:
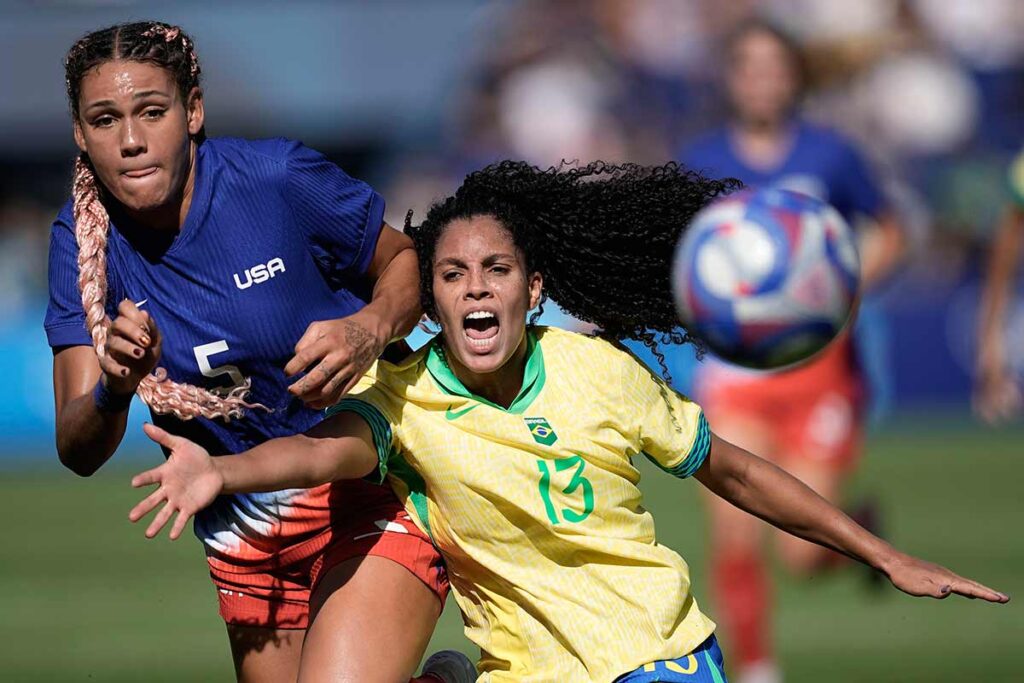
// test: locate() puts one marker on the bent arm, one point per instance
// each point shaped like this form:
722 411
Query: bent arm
394 271
882 249
340 447
86 435
995 297
764 490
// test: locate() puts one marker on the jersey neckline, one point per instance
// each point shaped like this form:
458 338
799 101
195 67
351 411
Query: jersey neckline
533 376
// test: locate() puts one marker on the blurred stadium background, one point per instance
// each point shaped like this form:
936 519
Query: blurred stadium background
410 96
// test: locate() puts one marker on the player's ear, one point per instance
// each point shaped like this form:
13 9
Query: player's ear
536 287
194 111
79 135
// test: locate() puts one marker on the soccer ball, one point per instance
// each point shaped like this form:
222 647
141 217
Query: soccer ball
766 278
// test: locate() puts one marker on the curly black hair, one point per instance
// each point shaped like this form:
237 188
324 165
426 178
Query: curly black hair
601 235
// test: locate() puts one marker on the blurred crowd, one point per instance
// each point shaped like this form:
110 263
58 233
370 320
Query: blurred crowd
931 90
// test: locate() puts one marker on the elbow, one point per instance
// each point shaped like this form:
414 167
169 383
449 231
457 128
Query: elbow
76 461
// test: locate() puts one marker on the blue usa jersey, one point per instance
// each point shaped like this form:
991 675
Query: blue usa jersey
276 237
820 163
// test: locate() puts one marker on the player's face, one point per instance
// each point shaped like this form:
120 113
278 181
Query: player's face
762 78
482 293
135 128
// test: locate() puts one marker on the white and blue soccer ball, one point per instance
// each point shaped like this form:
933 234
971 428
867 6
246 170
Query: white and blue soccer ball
766 278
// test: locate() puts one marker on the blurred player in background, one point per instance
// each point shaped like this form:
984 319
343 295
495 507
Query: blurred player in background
514 445
809 419
997 393
259 259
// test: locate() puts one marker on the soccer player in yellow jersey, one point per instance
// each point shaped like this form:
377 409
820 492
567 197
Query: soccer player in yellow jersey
513 445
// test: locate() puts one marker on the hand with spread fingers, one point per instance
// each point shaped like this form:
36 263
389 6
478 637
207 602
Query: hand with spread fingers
188 482
334 354
132 348
925 579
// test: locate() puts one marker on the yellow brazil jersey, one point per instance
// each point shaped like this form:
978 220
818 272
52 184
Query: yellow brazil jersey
550 552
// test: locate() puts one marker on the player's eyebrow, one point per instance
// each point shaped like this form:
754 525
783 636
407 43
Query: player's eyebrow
136 96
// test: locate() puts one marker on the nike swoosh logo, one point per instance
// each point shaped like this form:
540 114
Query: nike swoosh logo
456 414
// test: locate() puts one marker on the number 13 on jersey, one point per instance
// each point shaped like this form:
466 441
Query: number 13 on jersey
578 481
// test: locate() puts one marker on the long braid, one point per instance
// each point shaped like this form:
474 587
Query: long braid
169 47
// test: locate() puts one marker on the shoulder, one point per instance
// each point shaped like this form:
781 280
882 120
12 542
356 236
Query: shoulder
826 138
65 220
242 149
704 149
397 377
591 358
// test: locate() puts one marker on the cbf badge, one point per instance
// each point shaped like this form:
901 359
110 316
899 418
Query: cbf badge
541 431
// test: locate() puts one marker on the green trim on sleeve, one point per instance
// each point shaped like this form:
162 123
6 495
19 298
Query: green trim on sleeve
381 428
417 488
698 452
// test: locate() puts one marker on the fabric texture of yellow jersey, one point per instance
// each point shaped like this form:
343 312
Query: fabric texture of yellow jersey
536 509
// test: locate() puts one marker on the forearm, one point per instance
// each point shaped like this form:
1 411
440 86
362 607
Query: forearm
1001 269
395 304
289 462
770 493
340 447
88 436
882 249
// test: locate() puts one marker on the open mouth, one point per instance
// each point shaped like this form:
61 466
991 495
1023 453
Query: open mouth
481 329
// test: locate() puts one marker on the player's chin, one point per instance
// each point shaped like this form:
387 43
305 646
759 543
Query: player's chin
482 356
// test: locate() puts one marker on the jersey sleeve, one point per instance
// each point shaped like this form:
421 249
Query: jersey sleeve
371 401
65 317
340 217
669 428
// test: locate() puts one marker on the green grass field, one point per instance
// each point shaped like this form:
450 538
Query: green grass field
84 597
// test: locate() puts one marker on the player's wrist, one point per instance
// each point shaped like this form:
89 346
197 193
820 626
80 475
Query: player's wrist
110 397
380 326
219 465
885 558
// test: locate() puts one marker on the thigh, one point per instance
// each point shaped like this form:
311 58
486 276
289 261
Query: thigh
373 621
265 655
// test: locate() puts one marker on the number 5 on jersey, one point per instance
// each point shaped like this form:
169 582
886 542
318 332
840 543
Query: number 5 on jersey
578 481
203 353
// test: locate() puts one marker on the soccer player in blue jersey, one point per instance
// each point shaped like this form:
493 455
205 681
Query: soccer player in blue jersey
260 260
808 420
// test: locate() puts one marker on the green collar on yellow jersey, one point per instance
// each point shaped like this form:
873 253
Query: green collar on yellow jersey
533 376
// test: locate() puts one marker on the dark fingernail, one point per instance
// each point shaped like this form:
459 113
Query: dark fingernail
944 589
124 372
137 353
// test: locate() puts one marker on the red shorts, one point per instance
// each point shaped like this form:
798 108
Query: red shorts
813 412
274 593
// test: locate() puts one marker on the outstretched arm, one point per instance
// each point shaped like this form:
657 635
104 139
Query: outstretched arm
764 490
340 447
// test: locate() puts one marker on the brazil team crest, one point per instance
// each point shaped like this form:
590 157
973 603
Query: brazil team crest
541 431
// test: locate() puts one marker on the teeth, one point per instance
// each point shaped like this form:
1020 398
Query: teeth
479 315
